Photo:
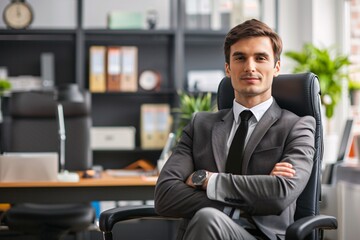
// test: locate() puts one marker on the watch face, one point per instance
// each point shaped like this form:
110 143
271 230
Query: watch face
18 15
199 177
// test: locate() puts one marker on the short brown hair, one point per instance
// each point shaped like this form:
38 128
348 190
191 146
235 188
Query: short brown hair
252 28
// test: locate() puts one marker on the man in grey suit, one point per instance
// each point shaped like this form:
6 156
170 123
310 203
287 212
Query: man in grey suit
259 201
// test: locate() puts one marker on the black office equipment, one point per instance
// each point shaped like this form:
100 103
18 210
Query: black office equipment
298 93
31 126
344 148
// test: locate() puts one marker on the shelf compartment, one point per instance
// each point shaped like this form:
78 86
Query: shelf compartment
129 36
37 35
121 159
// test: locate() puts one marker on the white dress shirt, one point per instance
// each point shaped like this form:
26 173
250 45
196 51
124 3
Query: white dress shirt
257 111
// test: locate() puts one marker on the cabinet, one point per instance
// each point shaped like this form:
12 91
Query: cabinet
173 52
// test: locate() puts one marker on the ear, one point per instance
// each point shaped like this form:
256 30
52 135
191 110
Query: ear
277 69
227 70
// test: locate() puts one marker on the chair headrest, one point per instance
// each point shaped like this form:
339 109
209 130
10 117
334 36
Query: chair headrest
294 92
42 104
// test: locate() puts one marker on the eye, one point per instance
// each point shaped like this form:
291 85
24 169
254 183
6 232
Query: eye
239 58
261 58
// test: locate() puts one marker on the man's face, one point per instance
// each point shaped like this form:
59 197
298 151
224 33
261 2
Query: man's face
252 68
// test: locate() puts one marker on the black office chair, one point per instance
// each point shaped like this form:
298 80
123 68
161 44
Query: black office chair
31 126
298 93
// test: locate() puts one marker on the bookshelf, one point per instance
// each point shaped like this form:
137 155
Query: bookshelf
172 52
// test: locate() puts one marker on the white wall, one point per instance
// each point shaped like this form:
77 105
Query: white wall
62 14
300 21
317 21
98 18
49 13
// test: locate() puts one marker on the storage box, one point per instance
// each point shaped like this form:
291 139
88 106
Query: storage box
113 138
204 80
125 20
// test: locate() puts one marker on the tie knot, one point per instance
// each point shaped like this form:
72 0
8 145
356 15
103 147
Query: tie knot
245 115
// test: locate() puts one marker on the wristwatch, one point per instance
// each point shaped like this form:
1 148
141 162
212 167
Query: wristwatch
199 177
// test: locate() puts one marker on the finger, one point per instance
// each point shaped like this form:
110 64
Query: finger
284 169
283 173
284 164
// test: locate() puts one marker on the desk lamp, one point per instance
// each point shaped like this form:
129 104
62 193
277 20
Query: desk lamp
66 93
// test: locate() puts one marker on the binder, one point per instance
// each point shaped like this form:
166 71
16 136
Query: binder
225 13
129 76
113 70
155 125
215 15
192 14
97 81
204 14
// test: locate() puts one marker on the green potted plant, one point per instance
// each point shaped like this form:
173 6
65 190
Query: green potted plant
329 66
4 85
354 92
189 104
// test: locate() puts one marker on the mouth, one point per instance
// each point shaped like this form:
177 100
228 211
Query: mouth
250 78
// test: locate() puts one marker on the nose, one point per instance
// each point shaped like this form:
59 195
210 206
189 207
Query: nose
249 65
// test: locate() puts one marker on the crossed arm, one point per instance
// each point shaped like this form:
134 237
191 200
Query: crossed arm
280 169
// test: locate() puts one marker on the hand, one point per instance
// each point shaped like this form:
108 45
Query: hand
189 181
283 169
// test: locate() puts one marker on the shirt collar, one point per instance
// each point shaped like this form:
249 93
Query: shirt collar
258 110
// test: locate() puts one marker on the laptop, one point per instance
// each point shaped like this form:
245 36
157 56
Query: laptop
28 167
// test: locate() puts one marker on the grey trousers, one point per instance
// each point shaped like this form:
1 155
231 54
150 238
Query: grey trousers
210 223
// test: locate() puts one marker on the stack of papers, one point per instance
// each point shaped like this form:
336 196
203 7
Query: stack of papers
128 173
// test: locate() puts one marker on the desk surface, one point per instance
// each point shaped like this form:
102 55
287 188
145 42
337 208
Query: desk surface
348 172
86 190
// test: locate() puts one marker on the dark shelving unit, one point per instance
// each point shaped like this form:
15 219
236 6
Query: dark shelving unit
172 52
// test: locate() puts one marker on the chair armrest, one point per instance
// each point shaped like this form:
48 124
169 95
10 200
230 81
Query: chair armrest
304 226
112 216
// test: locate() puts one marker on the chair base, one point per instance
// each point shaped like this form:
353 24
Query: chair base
49 221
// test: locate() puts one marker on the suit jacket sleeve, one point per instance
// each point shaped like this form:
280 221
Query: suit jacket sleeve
265 194
172 196
258 194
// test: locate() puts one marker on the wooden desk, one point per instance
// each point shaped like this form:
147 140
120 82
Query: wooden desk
86 190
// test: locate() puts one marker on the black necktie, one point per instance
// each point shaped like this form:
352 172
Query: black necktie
236 151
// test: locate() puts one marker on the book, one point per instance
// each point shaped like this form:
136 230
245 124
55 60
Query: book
113 70
97 81
155 125
129 76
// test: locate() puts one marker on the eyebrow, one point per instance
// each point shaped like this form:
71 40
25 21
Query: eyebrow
265 54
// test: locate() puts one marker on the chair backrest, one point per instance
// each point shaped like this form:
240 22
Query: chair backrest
300 94
31 126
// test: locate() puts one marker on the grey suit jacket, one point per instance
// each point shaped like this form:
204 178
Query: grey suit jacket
279 136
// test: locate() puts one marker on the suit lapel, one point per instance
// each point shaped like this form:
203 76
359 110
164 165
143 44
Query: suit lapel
268 119
220 135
